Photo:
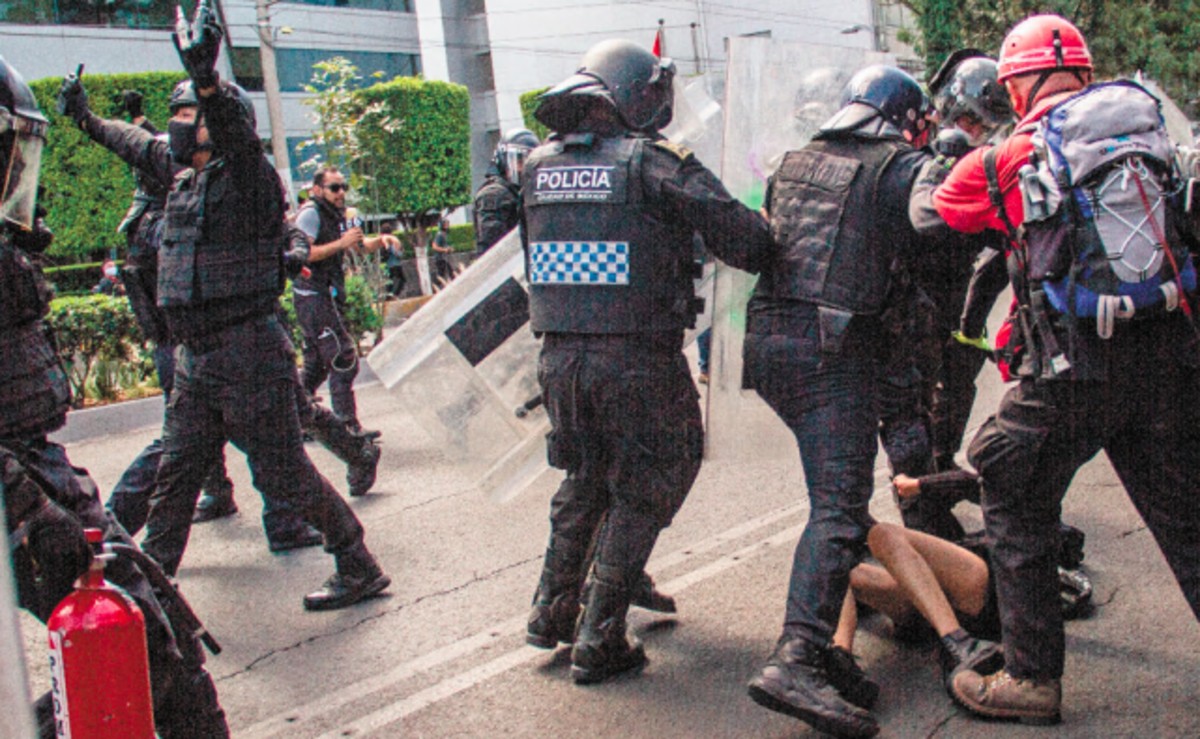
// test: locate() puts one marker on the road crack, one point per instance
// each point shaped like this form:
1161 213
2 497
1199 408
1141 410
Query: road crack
475 579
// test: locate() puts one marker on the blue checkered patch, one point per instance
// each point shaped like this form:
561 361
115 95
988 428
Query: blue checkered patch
579 262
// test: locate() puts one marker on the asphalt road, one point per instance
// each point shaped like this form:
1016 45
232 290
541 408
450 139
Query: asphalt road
442 654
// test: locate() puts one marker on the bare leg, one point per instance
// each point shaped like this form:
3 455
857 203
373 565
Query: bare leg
875 587
843 636
931 573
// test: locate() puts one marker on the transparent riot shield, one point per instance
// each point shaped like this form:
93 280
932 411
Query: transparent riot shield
777 95
465 364
16 719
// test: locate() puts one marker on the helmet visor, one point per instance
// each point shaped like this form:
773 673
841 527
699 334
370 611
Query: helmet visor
514 162
21 177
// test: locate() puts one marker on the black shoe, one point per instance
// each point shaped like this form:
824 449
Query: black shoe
305 536
602 650
960 651
645 595
341 590
795 683
360 474
212 507
552 621
849 679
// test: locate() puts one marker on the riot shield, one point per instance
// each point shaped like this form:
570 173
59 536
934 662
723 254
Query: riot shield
777 95
465 364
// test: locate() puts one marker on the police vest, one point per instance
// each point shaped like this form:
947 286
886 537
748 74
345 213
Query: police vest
34 394
823 216
599 260
209 254
328 272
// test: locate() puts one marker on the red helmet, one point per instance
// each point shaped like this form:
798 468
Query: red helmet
1042 42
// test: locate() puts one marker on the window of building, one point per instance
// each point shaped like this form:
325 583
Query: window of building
397 6
138 13
296 66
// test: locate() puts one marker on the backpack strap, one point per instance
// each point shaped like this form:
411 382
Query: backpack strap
995 193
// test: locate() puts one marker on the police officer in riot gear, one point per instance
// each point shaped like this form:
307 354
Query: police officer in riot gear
220 274
47 501
142 227
838 211
498 199
607 223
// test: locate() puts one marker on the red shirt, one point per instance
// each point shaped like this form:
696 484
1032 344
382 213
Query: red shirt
962 200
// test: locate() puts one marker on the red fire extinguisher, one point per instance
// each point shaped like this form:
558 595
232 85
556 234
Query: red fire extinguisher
100 674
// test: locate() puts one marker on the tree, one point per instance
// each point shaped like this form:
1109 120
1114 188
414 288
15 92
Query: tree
1157 37
529 103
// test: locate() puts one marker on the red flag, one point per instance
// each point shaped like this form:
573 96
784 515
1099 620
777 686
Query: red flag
657 48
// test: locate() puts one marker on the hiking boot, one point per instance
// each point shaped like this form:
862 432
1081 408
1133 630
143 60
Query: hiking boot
304 536
646 595
849 679
795 682
211 507
602 649
358 577
552 620
960 651
360 473
1000 695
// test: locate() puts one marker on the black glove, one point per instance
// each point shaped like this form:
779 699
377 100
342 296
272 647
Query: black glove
73 99
198 44
131 101
57 544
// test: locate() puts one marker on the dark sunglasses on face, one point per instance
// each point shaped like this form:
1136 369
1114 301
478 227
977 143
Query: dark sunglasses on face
338 187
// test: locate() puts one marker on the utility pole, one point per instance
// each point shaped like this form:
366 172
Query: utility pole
270 73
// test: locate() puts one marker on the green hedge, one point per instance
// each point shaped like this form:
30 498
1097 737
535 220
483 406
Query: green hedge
360 311
424 166
528 105
100 345
85 188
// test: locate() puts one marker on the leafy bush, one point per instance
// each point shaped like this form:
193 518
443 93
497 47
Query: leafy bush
96 334
85 188
528 105
422 167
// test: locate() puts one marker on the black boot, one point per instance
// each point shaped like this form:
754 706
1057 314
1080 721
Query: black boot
646 595
602 649
358 577
796 682
849 679
960 651
555 609
358 452
216 499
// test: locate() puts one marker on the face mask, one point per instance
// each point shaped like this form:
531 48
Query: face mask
111 272
182 139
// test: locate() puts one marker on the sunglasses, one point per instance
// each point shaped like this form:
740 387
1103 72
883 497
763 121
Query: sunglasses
338 187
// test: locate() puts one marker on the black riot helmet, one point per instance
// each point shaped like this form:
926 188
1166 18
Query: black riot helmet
184 95
881 101
634 81
969 97
22 137
514 146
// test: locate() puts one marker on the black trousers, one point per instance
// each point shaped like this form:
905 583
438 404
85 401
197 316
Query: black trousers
244 390
1142 415
185 699
626 429
329 352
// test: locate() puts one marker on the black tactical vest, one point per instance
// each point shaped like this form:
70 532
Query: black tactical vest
599 261
140 275
328 272
823 216
207 255
34 394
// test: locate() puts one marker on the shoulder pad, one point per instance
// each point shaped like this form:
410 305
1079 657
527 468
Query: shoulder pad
680 152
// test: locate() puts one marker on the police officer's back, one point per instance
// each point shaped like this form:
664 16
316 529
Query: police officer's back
609 212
